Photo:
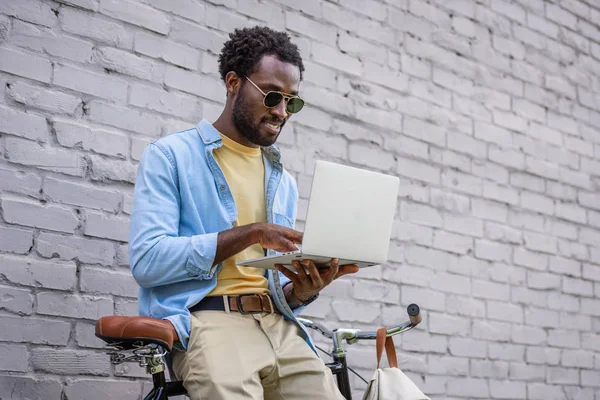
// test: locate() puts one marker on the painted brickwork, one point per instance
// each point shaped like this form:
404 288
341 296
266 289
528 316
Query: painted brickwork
488 110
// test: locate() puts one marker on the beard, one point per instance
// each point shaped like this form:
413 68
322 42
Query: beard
244 122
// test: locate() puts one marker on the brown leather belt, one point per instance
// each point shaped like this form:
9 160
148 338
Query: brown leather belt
243 303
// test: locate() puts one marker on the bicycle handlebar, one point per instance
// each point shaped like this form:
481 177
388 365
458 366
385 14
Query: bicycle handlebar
352 335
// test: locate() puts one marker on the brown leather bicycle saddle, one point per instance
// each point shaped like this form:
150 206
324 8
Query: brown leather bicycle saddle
126 331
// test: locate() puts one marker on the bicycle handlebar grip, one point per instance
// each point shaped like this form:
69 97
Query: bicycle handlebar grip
414 314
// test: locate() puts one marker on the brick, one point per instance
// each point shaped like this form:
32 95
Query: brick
577 358
126 307
418 170
464 347
530 259
449 366
320 32
527 181
42 40
462 182
450 283
350 311
489 210
196 36
537 280
103 169
322 98
423 342
492 251
117 389
364 155
571 212
25 65
502 233
15 240
102 226
29 213
22 124
90 251
542 355
70 362
103 281
13 358
491 330
561 191
97 140
504 312
171 103
535 202
500 193
508 274
136 14
576 322
590 307
468 387
508 389
577 286
490 290
591 272
171 52
488 369
88 25
574 178
333 58
93 83
420 214
452 243
129 64
37 273
563 338
525 372
30 388
34 330
464 225
493 134
19 301
72 193
562 375
506 352
74 306
541 243
29 10
450 159
21 182
47 100
507 157
448 325
541 318
124 118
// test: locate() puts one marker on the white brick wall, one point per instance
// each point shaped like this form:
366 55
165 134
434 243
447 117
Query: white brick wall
489 113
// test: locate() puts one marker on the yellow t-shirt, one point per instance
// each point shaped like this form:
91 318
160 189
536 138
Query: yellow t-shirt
245 173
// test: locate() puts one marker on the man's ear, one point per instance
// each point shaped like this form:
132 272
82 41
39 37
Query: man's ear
233 83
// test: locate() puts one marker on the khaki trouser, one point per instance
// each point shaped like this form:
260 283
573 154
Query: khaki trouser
254 356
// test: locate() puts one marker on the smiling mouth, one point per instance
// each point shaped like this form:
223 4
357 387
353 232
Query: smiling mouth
273 127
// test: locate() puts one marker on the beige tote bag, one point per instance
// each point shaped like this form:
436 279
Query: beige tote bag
390 383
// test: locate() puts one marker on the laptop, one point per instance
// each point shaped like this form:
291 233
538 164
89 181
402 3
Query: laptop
350 216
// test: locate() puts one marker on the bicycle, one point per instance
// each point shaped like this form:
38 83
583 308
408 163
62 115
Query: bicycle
149 342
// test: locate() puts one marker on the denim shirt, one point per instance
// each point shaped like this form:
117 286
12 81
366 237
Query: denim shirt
181 202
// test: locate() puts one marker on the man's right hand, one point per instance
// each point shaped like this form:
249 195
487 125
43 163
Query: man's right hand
277 237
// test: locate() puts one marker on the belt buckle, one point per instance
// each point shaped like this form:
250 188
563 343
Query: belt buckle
241 306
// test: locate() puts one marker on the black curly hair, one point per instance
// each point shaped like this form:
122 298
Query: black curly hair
246 46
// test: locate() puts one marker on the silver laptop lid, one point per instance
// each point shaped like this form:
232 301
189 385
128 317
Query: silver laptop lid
350 213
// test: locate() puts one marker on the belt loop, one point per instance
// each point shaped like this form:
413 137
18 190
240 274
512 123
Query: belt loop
270 303
226 303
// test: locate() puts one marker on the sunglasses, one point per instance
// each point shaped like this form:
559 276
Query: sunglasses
273 98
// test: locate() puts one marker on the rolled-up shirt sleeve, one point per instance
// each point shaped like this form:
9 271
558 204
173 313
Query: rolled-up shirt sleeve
157 254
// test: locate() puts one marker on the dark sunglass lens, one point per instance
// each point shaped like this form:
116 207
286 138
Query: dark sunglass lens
294 105
272 99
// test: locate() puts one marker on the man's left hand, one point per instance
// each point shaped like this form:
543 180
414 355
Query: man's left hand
309 279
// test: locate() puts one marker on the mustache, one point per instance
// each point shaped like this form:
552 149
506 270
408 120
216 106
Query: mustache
274 121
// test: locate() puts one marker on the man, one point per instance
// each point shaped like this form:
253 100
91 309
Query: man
216 194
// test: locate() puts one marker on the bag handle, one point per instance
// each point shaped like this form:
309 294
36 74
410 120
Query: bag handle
382 341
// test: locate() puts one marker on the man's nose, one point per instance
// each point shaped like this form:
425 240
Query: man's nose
280 110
